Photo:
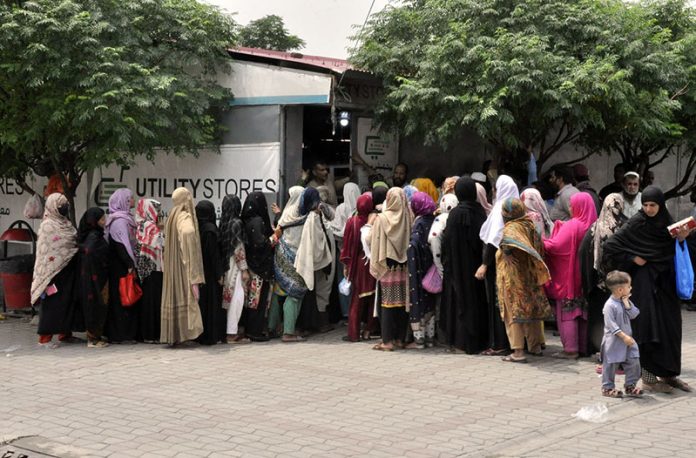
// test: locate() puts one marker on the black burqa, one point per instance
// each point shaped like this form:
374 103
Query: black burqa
658 328
94 271
210 299
122 323
259 255
463 314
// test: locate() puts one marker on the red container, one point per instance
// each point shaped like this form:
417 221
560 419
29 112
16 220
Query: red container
16 271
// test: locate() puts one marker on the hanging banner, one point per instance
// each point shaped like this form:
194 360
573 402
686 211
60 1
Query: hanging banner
379 149
238 170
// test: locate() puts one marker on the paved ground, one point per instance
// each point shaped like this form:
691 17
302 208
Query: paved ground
321 398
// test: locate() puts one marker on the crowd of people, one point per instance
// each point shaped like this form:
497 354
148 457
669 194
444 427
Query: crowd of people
478 265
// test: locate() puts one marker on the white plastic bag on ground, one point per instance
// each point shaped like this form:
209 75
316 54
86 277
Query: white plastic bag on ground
594 413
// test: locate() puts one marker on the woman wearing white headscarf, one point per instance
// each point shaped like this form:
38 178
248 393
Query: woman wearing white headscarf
492 234
55 271
183 272
344 211
447 203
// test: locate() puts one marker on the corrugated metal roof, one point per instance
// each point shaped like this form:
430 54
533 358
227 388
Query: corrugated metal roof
328 63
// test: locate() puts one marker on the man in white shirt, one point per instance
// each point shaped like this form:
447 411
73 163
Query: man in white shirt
631 194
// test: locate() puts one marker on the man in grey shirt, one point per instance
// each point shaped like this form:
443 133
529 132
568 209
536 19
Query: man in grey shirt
561 179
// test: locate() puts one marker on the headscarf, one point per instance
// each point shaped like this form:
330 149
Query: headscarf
255 205
120 225
231 228
345 210
89 222
492 230
448 202
532 199
257 229
380 184
642 235
309 201
422 204
448 185
379 195
465 190
149 237
513 209
56 245
205 213
351 254
567 236
611 218
410 190
482 198
291 212
427 185
391 233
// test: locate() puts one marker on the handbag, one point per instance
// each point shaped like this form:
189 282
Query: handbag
33 209
284 270
432 282
129 290
684 271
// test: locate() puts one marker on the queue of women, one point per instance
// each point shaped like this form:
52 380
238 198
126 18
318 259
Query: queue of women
417 266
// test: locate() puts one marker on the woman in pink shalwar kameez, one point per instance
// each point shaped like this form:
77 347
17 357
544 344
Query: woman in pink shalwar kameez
565 287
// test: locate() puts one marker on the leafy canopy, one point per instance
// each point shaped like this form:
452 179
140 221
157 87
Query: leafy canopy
95 82
269 32
526 75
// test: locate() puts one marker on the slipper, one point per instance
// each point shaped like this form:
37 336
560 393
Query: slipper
239 341
382 347
564 355
292 339
491 352
511 359
678 383
659 387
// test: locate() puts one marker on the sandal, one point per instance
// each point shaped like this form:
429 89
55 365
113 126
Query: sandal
512 359
678 383
633 391
382 347
97 344
612 393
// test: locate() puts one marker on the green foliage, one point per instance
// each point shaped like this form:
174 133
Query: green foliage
269 32
94 82
528 75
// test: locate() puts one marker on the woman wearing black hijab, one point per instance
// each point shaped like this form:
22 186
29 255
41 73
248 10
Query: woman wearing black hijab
463 313
644 248
210 299
259 254
94 274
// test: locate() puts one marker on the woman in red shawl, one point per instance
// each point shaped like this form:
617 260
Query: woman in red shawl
565 286
357 270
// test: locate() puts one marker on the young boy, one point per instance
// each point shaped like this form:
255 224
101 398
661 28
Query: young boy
618 347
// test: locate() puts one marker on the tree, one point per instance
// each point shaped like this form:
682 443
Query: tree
96 82
528 76
269 32
658 122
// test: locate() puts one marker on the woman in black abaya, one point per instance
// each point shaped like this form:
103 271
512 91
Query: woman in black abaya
94 274
463 314
644 248
210 300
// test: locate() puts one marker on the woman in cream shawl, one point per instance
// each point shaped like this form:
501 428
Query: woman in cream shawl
55 269
390 237
183 272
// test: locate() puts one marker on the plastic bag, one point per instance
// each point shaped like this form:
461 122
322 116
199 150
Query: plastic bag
684 271
594 413
432 282
344 287
33 209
